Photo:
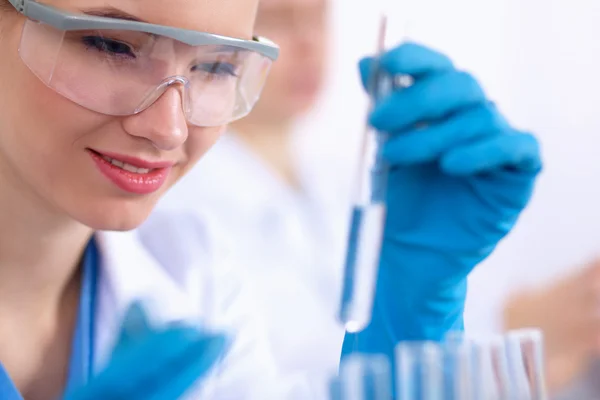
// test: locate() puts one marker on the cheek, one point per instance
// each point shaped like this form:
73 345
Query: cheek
199 141
36 122
38 135
73 124
39 113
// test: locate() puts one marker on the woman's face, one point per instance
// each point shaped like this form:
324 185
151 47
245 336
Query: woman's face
47 143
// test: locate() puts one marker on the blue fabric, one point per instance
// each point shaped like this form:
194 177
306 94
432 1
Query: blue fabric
8 391
460 177
82 349
81 362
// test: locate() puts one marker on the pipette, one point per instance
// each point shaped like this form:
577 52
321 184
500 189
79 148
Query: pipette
368 212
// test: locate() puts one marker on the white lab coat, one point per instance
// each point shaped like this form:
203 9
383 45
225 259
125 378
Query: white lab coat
171 264
289 242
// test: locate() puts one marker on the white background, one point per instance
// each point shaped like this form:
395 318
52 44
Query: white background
540 60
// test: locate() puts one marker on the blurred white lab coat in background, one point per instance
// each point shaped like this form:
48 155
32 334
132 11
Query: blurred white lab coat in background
288 241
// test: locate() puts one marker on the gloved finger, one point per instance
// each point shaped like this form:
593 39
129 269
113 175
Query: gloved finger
430 99
429 143
158 345
179 367
187 371
407 59
518 151
135 325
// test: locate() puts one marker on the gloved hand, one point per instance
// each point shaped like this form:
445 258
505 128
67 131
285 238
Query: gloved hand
460 176
153 364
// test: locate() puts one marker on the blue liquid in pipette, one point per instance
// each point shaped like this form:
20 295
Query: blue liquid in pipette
361 265
350 264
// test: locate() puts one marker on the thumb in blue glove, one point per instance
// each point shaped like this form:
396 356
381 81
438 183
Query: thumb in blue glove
153 364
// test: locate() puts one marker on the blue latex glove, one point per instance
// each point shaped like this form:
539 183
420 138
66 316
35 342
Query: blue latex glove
460 177
151 364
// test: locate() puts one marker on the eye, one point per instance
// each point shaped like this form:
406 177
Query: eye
216 68
108 46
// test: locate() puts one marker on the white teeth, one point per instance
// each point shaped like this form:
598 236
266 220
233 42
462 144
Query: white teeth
127 167
135 170
117 163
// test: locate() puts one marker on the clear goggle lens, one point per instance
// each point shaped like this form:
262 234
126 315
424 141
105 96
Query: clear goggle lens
124 72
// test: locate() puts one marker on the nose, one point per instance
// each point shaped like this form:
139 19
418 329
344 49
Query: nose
163 123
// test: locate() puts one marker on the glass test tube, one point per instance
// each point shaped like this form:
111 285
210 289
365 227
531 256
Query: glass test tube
368 216
487 371
458 368
363 377
528 349
419 371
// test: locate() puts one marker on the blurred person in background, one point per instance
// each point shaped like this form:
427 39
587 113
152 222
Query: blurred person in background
285 214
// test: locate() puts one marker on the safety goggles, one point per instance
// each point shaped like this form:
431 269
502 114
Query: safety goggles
120 67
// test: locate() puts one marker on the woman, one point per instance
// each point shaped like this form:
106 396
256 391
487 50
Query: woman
106 104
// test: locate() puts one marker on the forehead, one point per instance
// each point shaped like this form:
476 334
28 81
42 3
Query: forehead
233 18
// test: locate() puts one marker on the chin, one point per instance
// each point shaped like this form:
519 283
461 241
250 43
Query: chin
115 214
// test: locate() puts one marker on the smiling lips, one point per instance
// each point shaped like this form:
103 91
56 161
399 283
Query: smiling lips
131 174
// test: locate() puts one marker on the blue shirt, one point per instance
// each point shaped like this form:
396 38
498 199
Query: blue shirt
82 348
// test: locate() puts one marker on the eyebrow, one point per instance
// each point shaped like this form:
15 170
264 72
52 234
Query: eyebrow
111 12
